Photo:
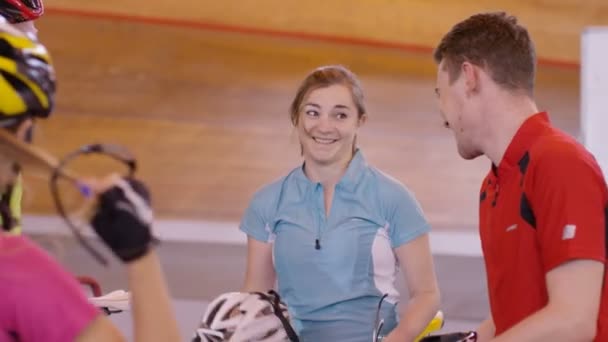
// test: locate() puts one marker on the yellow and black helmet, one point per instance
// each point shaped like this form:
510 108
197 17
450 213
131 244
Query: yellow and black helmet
27 77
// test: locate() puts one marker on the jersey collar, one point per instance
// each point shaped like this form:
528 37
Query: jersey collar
525 136
355 170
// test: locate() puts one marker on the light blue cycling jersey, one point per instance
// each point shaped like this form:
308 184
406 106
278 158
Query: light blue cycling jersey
333 269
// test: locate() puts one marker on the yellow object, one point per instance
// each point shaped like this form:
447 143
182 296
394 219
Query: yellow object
27 80
435 325
15 205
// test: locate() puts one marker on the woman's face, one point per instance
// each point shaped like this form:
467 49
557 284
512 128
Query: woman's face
327 126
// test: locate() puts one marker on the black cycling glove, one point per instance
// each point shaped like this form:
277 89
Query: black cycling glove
124 218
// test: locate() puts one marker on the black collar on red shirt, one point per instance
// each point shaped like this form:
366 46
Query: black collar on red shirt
516 153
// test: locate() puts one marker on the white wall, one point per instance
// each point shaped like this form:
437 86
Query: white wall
594 93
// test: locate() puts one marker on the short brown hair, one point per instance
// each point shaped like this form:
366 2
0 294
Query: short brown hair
326 76
496 42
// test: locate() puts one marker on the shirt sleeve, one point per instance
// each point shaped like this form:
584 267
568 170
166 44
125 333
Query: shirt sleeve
404 215
568 198
52 305
255 221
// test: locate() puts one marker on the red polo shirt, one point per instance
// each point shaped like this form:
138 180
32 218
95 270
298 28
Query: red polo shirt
545 204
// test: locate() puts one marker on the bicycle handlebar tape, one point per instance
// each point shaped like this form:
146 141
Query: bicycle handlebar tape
124 218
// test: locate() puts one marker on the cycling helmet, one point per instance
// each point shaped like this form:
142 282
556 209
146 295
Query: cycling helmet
17 11
246 317
27 77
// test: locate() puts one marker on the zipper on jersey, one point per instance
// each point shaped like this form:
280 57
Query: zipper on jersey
320 214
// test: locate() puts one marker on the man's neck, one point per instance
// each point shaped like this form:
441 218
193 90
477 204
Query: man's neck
505 117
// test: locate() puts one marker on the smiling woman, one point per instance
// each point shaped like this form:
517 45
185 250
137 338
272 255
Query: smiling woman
327 111
332 230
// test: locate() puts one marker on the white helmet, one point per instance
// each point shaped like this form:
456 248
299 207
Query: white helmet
246 317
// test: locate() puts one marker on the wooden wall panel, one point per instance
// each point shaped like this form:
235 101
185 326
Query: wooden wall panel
206 113
555 24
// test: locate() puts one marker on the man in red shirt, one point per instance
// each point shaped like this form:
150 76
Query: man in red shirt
543 204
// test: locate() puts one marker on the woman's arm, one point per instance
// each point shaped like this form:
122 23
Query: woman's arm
101 329
151 304
153 316
260 274
417 265
123 220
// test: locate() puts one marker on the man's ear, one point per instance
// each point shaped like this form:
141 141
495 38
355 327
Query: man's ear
470 73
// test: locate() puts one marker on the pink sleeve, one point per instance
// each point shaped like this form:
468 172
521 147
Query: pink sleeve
48 303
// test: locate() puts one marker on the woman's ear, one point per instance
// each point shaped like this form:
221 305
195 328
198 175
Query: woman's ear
362 120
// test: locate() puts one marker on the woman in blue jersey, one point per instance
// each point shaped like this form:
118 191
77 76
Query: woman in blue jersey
333 232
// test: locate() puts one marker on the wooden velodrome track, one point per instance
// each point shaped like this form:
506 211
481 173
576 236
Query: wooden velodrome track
206 113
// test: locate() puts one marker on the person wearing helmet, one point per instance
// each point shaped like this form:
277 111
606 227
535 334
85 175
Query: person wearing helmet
246 317
22 14
40 301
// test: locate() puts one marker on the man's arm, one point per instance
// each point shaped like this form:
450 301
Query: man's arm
574 290
486 330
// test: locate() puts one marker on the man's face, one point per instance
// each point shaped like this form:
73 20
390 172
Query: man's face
458 111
